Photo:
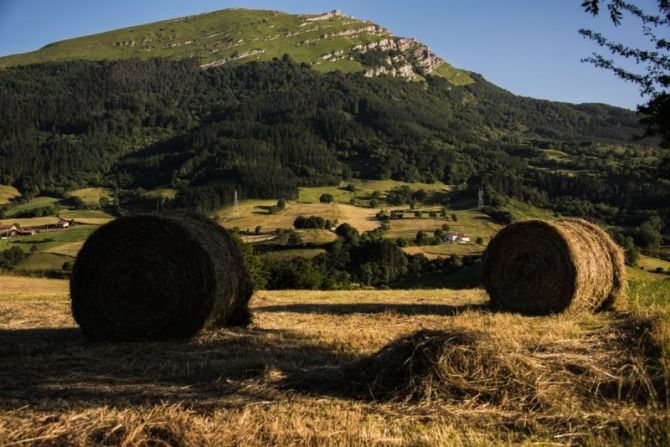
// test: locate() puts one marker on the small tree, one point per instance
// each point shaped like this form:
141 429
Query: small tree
294 238
454 217
326 198
258 229
281 204
479 240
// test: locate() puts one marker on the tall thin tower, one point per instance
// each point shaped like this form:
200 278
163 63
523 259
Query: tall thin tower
480 195
236 206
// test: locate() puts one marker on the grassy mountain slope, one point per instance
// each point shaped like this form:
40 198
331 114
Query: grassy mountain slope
327 42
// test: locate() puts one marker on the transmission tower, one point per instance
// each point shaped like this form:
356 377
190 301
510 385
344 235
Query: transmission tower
480 195
236 207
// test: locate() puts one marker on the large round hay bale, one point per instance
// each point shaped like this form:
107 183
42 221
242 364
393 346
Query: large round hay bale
537 267
159 277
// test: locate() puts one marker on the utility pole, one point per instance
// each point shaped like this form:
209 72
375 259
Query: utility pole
236 206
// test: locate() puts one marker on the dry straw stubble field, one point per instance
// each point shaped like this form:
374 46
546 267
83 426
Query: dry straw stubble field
340 368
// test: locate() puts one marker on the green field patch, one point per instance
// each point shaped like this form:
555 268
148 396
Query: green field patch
87 217
37 202
27 222
553 154
69 249
167 193
363 189
47 241
636 274
453 75
288 254
445 250
40 261
651 264
316 236
648 294
90 196
525 211
7 193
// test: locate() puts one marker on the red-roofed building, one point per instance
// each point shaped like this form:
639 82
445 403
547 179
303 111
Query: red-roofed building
7 231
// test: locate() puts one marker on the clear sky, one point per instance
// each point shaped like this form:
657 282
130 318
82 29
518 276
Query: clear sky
530 47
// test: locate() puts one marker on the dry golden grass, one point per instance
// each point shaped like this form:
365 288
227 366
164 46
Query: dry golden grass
305 371
7 193
30 221
254 213
19 287
93 220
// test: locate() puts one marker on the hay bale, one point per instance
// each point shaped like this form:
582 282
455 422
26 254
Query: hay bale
159 277
538 268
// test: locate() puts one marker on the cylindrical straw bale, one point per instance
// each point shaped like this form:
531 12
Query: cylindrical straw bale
159 277
538 267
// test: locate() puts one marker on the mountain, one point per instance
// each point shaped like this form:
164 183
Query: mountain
327 42
266 127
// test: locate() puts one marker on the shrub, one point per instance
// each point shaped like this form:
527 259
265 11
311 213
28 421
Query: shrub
326 198
294 238
11 257
302 222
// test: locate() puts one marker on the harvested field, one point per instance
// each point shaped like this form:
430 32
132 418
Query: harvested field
30 221
254 213
332 368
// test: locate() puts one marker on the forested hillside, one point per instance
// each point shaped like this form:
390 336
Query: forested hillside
265 128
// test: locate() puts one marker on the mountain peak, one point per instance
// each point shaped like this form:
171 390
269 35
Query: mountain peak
328 41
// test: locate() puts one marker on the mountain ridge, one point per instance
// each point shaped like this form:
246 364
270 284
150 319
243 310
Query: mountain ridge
327 42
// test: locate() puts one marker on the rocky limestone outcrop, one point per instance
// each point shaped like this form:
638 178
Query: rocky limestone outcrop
404 71
410 57
326 16
233 58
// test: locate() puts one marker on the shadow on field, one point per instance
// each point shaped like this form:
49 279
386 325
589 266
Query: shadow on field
376 308
44 367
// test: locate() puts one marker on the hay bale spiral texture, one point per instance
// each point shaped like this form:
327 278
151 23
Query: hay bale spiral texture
538 268
159 277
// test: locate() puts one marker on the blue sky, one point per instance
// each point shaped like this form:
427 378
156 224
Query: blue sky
530 47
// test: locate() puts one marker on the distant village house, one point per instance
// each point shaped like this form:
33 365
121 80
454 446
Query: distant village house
459 238
7 231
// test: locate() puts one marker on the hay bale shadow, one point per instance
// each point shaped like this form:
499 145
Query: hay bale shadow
376 308
43 367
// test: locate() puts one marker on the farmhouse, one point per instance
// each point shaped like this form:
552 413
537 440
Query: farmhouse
7 231
460 238
26 232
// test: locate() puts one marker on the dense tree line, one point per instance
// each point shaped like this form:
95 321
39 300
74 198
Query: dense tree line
265 129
